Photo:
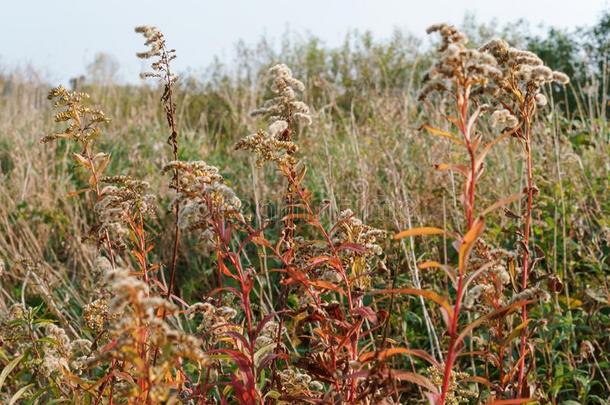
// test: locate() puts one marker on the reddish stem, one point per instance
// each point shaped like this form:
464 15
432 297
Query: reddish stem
526 255
462 101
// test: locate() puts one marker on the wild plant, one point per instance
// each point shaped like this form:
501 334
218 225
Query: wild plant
518 92
121 208
340 263
84 126
472 78
162 71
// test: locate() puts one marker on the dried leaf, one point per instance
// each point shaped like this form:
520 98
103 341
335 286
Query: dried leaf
384 354
468 242
440 132
426 230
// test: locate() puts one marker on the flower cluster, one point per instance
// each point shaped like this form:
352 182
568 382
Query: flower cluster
135 325
366 241
457 64
267 337
56 351
523 74
202 196
83 121
284 106
456 393
284 111
122 201
296 384
269 148
504 119
215 321
155 41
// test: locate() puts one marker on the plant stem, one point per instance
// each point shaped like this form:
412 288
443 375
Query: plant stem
469 201
526 253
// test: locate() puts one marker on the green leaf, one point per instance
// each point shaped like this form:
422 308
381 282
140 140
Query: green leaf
9 367
18 394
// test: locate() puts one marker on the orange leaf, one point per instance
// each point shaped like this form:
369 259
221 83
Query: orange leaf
82 160
326 285
72 194
384 354
426 230
501 203
468 242
436 265
440 132
492 315
462 169
429 264
487 148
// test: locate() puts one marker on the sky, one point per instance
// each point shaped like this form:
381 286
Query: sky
59 38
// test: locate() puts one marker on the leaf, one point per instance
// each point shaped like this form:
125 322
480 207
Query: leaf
429 264
515 401
241 360
326 285
433 264
82 160
431 295
398 375
492 315
413 378
104 160
473 276
72 194
570 302
354 247
9 367
384 354
262 352
440 132
516 332
462 169
273 395
426 230
468 242
366 313
18 394
501 203
479 159
225 270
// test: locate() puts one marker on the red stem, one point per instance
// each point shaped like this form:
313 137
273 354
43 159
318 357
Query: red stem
462 101
526 256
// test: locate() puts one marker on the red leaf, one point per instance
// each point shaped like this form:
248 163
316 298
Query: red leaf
366 313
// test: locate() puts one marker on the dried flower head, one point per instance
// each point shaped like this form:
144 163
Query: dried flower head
83 121
284 112
122 201
457 64
155 41
523 74
504 119
202 196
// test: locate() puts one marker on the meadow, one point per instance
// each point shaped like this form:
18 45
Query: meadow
376 223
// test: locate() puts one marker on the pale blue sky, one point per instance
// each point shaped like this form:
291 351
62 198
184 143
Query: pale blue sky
60 37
